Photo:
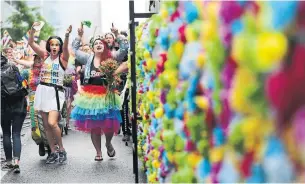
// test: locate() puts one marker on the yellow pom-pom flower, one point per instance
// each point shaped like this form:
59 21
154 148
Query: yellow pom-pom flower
244 84
216 154
150 64
150 95
201 60
178 48
271 48
193 159
164 13
170 157
146 55
202 102
159 112
190 34
209 31
156 164
212 10
239 48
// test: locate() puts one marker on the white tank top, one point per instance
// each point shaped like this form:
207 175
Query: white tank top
52 72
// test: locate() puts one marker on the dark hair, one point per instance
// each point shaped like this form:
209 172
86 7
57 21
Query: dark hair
60 43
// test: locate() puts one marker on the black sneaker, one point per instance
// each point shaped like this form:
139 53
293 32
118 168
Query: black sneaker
62 156
16 169
42 151
52 158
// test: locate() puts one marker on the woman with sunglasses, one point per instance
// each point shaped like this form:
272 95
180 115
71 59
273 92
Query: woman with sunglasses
94 112
49 96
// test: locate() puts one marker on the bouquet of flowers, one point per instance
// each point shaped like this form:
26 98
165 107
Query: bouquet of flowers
108 67
69 77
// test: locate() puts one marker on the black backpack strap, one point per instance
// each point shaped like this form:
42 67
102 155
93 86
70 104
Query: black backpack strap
57 98
62 66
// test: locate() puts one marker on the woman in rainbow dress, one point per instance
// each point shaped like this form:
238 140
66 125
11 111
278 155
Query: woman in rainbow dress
97 106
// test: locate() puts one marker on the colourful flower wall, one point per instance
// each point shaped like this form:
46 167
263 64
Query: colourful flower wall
221 89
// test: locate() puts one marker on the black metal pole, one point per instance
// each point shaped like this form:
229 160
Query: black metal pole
132 25
133 89
143 15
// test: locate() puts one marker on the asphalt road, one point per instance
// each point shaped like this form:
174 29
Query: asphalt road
80 166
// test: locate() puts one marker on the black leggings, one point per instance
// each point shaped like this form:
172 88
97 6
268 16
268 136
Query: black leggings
125 115
11 118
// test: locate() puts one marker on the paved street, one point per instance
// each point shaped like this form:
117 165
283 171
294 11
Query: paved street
80 167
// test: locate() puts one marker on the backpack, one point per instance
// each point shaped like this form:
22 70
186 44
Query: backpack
12 83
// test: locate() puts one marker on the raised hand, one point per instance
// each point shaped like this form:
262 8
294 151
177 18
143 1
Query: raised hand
80 30
69 30
114 30
35 25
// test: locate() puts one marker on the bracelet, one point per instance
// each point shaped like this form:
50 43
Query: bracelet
67 35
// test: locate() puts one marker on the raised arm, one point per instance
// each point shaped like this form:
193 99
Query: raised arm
122 68
120 54
37 49
65 46
25 63
114 30
81 56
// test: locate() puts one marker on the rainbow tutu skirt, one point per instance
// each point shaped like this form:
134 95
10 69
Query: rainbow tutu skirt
97 110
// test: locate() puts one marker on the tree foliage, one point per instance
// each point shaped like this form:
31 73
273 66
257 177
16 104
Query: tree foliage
22 21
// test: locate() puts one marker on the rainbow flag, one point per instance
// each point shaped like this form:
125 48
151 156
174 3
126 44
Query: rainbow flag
25 84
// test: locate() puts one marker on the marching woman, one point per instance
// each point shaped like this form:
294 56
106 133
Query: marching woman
97 107
49 96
